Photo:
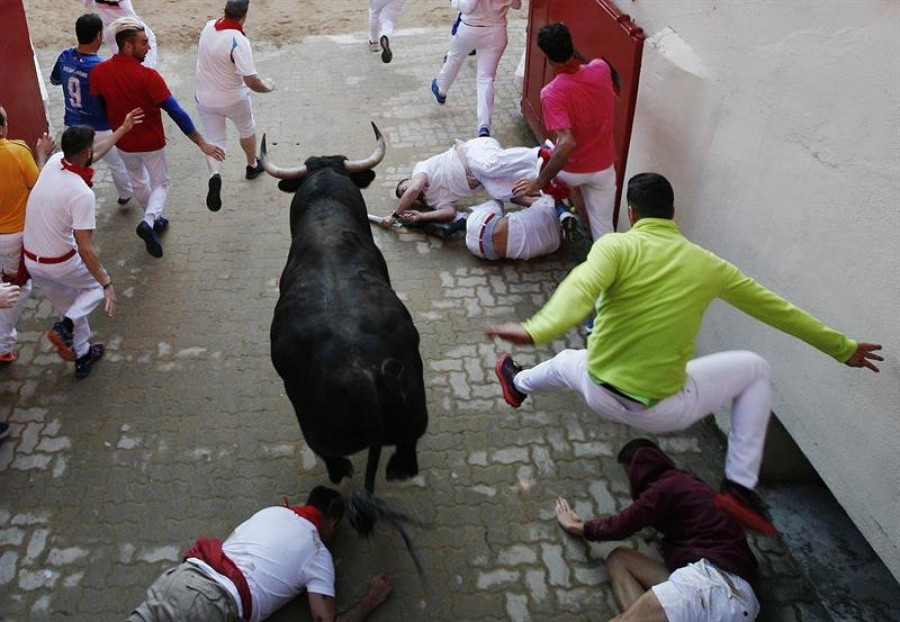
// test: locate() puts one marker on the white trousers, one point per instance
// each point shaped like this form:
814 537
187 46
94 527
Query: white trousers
739 377
497 168
113 159
10 255
212 120
598 197
149 173
489 42
73 292
701 592
382 15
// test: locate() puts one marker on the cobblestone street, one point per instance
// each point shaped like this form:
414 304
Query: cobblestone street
183 429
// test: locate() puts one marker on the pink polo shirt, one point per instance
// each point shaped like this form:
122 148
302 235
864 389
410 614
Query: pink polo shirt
584 102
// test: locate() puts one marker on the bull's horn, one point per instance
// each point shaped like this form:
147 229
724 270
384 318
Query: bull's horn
357 166
276 171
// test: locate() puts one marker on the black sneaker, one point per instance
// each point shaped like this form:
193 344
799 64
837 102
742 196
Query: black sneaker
484 131
83 364
213 195
160 224
386 54
61 337
506 369
4 430
148 235
442 230
254 171
744 506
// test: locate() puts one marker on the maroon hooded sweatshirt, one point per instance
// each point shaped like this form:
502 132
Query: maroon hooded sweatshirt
680 507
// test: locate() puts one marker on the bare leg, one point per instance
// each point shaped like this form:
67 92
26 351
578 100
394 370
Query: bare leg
645 609
249 146
632 574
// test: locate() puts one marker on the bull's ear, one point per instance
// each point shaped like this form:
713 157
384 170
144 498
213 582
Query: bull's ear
363 178
289 185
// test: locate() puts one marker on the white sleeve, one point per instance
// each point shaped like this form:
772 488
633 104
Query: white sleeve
243 58
83 212
464 6
319 573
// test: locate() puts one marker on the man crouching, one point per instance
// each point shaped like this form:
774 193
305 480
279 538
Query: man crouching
704 549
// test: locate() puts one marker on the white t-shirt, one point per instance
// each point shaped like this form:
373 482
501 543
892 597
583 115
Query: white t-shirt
447 181
59 203
224 57
280 555
485 12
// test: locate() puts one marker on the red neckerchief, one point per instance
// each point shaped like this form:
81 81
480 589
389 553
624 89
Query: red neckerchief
573 65
87 174
210 551
310 513
229 23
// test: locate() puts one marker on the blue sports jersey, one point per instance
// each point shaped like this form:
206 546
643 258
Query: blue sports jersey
71 71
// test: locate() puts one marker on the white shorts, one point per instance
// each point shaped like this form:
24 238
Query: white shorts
212 119
700 592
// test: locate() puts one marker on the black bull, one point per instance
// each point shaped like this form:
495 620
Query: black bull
342 341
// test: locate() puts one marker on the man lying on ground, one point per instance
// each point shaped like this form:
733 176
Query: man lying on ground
268 560
461 172
705 550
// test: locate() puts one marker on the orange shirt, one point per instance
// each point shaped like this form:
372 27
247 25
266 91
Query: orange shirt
18 174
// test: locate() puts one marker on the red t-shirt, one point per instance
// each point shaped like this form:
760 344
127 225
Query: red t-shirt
125 84
584 102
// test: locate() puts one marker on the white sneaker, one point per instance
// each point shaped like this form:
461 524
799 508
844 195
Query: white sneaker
374 47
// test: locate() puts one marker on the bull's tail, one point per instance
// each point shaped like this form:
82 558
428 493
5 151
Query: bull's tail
365 509
372 466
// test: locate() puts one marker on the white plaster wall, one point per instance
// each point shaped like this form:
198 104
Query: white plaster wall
778 124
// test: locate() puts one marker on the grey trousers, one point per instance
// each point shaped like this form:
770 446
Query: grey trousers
185 594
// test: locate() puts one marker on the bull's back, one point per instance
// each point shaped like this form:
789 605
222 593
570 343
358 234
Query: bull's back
346 347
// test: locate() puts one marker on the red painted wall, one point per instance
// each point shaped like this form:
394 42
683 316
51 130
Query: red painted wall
20 84
599 30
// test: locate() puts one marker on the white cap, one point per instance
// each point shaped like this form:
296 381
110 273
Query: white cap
124 24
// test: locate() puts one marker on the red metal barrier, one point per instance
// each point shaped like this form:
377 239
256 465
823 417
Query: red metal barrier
599 30
20 84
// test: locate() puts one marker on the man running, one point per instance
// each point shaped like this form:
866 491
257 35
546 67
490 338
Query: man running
125 84
225 76
72 71
638 368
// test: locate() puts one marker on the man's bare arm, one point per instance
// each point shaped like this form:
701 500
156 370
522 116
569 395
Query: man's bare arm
416 217
133 118
83 237
413 190
257 84
565 147
324 608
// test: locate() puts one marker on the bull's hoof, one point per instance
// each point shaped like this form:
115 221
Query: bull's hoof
338 469
402 465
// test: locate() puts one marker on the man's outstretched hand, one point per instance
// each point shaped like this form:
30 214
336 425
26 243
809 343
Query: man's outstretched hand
568 519
865 353
379 589
513 333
